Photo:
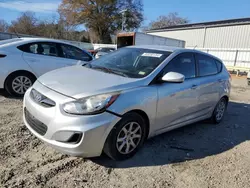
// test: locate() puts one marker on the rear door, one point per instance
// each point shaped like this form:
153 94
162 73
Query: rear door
209 82
43 57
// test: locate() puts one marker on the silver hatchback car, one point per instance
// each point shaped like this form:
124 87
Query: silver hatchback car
115 103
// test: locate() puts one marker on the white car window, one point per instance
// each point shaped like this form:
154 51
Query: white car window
72 52
49 49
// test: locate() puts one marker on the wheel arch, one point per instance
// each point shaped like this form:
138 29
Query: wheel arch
145 118
226 97
137 111
17 72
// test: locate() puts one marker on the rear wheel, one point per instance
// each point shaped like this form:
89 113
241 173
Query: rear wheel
18 83
219 110
126 137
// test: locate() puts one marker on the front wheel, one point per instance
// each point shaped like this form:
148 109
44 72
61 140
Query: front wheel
126 137
17 84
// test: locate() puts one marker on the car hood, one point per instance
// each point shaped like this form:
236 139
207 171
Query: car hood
78 81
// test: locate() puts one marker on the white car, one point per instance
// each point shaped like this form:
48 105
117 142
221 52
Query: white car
22 60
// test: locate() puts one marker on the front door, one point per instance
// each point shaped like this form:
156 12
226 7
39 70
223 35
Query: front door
177 102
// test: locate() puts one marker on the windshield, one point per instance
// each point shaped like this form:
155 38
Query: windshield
7 41
131 62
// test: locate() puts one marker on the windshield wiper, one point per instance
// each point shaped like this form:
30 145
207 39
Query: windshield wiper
109 70
120 73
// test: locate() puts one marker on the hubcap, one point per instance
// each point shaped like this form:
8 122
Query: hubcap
220 110
20 84
128 138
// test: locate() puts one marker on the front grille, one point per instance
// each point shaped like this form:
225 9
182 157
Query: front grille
35 124
41 99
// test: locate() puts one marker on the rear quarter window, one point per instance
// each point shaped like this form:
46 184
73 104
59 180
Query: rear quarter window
24 48
207 65
219 65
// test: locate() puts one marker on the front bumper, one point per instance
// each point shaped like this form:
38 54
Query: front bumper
94 129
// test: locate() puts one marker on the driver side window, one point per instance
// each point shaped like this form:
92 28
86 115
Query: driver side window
71 52
183 63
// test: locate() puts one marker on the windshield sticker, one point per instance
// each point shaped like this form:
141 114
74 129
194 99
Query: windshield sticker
151 55
141 73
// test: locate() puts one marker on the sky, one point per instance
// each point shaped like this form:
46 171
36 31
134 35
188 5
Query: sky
194 10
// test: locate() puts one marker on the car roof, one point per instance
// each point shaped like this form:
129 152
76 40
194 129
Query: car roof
171 49
157 47
30 39
24 40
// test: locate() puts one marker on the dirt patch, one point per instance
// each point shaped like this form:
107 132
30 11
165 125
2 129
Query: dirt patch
199 155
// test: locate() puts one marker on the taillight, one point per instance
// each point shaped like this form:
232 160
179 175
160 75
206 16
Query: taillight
2 55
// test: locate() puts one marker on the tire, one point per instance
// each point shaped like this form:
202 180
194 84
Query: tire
112 145
248 82
219 111
18 83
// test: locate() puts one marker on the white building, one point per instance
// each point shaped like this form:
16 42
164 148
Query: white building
226 39
233 33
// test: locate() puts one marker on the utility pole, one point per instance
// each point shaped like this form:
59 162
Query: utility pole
123 18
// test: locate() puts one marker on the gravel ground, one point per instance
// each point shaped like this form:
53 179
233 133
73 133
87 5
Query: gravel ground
199 155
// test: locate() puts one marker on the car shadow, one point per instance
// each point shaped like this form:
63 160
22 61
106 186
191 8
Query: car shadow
191 142
4 94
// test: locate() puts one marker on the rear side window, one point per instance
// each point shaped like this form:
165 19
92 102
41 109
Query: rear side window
184 64
41 48
207 66
44 49
219 65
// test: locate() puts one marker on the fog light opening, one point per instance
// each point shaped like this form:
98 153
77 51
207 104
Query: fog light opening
68 137
75 138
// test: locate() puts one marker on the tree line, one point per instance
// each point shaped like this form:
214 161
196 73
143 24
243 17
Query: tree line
100 18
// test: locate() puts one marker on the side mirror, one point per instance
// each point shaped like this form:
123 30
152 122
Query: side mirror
174 77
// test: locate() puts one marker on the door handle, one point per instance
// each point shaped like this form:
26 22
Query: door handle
194 87
220 80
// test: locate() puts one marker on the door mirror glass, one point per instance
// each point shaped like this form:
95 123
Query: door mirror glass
174 77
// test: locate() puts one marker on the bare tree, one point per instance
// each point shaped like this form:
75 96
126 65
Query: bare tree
102 17
3 26
170 20
56 28
25 24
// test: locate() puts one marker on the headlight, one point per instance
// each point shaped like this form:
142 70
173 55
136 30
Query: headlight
90 105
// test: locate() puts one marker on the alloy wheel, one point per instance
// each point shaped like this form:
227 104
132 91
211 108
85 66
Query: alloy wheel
20 84
129 138
220 109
